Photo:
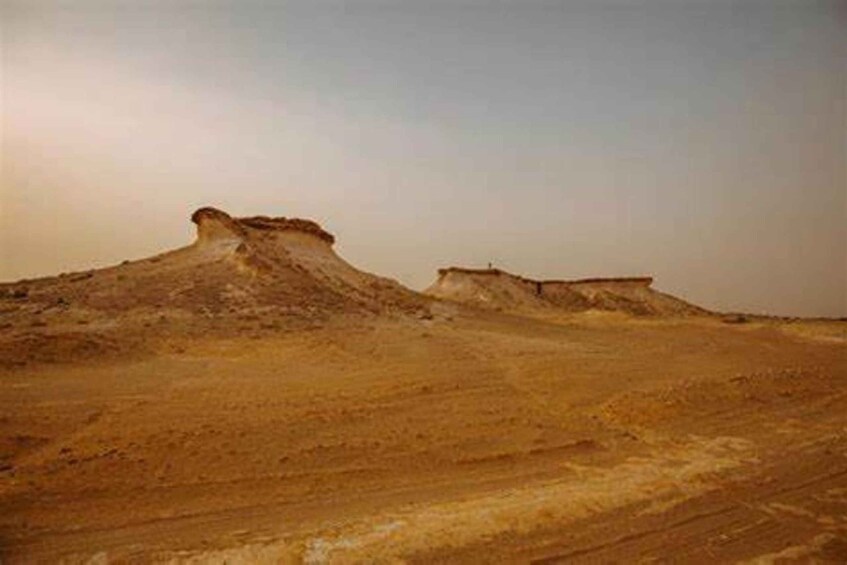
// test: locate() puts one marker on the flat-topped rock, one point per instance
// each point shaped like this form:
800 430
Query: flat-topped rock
500 290
213 223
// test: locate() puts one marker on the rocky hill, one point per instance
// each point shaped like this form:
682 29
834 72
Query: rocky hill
240 275
499 290
259 274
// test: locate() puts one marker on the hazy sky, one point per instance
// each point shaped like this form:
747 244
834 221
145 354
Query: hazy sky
703 142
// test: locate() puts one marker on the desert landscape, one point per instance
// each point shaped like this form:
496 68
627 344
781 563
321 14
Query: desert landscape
254 398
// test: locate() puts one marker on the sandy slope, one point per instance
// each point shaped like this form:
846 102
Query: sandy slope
436 439
253 398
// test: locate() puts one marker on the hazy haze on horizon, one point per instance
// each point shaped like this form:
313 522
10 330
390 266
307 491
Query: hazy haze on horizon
704 143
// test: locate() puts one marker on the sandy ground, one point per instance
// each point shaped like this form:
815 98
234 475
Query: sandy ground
479 437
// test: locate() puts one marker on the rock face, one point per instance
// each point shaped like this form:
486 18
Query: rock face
499 290
213 223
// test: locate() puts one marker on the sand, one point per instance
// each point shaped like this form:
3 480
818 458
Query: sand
286 407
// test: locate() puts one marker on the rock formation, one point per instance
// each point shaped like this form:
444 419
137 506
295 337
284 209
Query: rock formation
272 270
500 290
213 223
258 273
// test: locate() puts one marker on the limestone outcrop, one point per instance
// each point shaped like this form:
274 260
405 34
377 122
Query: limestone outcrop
213 223
500 290
271 270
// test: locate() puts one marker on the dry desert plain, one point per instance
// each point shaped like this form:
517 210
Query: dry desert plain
252 398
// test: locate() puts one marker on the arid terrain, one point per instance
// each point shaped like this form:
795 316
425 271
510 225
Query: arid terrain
253 398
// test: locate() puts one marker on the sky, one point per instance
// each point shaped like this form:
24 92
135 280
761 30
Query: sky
702 142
